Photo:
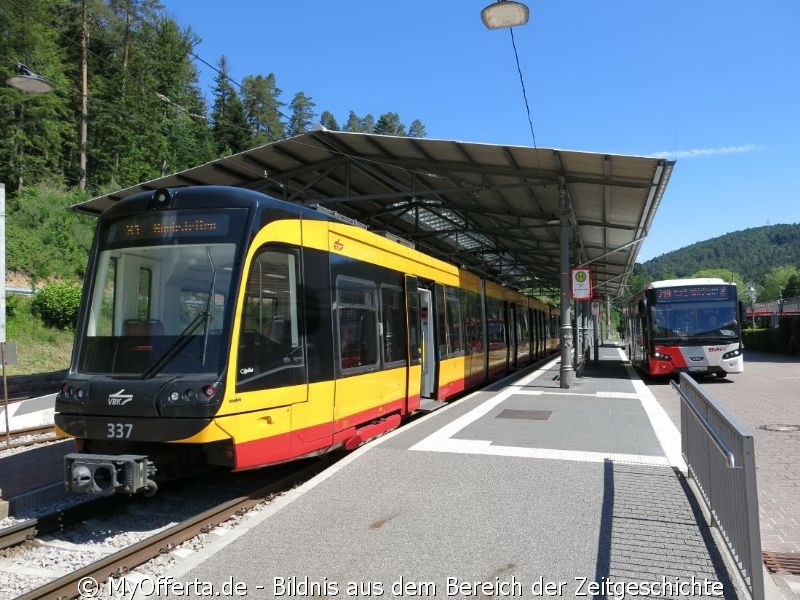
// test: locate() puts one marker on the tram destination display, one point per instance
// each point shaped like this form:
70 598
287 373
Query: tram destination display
169 224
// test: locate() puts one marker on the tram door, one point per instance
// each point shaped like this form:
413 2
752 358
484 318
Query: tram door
511 329
428 346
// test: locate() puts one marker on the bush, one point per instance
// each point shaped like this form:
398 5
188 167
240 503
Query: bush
12 305
784 339
57 304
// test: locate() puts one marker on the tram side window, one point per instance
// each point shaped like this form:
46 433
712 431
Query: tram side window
101 319
473 334
357 316
412 301
441 322
494 317
393 323
523 334
455 342
270 338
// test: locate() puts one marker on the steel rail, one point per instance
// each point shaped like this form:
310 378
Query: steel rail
119 563
30 528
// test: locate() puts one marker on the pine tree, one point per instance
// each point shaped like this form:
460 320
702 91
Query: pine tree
302 116
389 124
229 127
417 129
353 124
35 127
356 124
262 106
367 124
328 121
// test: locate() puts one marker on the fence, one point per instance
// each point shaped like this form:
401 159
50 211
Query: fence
720 455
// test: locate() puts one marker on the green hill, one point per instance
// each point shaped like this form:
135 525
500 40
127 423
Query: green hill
750 253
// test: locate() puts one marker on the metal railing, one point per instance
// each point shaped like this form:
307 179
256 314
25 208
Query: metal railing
720 455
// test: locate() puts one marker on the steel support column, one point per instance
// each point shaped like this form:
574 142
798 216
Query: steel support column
596 327
567 374
577 337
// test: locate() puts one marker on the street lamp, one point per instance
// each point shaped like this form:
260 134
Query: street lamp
505 13
751 292
31 83
28 81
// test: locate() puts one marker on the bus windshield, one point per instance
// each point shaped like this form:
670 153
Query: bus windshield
710 321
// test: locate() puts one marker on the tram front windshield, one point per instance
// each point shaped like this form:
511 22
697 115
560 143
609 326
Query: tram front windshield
161 293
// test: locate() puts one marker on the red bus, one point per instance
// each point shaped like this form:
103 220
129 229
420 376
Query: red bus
691 325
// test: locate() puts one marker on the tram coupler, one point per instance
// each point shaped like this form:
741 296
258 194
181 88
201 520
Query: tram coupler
105 474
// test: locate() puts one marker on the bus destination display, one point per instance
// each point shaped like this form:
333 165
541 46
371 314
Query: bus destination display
169 224
688 293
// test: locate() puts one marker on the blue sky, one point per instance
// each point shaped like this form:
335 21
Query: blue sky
714 85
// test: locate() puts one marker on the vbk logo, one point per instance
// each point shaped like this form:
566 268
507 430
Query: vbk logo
119 399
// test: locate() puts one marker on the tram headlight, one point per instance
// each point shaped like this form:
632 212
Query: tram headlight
74 392
181 398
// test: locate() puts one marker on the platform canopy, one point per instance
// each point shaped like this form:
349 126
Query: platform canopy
491 208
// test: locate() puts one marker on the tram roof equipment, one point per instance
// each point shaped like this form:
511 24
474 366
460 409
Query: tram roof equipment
491 208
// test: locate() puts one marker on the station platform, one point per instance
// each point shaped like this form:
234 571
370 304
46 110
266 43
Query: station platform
522 489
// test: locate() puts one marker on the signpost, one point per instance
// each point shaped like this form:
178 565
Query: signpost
3 305
581 284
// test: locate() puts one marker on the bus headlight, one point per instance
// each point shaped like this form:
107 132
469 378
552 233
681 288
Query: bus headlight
659 356
732 354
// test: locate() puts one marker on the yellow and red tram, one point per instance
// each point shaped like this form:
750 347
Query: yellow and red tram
220 326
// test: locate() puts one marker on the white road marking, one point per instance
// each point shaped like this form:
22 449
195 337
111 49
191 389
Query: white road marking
668 435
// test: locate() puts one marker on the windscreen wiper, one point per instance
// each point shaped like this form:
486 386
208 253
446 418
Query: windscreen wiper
209 301
184 337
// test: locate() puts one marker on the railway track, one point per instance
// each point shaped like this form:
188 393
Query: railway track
27 437
29 529
122 561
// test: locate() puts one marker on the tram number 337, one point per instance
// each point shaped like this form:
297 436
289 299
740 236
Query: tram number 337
118 430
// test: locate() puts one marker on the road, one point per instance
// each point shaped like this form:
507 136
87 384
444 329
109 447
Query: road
766 399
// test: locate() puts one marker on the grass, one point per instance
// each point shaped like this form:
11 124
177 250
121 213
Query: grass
40 349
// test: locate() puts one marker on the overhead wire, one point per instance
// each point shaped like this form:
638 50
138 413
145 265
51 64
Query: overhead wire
116 110
336 151
522 83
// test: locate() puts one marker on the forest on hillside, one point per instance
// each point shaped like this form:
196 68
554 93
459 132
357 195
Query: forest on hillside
128 73
768 258
126 107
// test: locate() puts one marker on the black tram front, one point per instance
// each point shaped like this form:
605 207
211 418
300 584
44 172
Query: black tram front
152 338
